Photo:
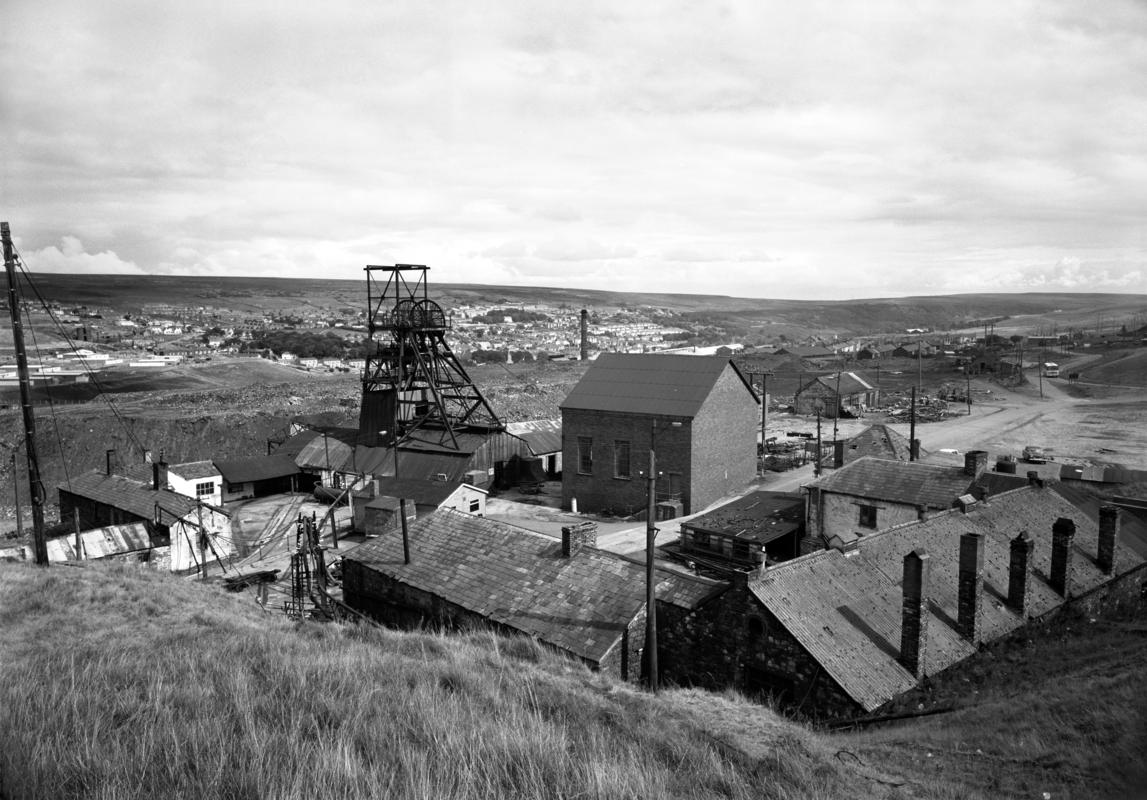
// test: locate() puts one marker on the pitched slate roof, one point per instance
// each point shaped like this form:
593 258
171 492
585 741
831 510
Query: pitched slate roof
259 468
758 517
640 383
520 579
193 470
879 441
911 483
845 611
127 495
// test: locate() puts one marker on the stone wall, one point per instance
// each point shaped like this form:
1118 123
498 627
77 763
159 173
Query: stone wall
841 512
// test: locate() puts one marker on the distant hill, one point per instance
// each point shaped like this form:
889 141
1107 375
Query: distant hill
841 317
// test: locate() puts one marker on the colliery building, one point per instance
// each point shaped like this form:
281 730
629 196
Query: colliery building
699 414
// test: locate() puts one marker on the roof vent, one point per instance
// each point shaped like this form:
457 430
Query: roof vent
846 542
965 502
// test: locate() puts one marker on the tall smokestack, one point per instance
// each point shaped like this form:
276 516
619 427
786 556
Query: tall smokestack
584 335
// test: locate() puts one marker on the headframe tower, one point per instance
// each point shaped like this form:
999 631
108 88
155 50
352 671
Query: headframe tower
414 388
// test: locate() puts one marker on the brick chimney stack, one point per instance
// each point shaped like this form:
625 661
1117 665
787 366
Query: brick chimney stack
1108 535
971 585
1019 572
159 473
574 537
913 616
1062 544
975 463
584 335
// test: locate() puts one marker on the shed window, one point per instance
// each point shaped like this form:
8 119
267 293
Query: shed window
621 459
585 455
867 516
475 506
205 489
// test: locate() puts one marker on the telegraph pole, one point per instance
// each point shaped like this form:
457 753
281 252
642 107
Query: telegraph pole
35 485
650 577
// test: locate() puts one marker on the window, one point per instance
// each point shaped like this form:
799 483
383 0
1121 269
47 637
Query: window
475 506
205 489
585 455
621 459
868 516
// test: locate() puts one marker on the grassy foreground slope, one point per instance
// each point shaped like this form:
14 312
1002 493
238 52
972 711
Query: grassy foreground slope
120 684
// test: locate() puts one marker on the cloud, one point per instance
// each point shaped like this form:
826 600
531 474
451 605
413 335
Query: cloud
813 149
71 257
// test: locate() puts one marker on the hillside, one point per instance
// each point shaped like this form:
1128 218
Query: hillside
796 317
122 683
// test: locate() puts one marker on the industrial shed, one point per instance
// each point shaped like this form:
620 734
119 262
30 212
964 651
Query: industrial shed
260 476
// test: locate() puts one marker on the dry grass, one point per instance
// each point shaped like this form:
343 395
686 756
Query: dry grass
123 684
126 684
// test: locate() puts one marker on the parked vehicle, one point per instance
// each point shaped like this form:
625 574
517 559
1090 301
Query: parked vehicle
1035 455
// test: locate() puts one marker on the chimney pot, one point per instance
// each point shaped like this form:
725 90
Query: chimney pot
574 537
1034 479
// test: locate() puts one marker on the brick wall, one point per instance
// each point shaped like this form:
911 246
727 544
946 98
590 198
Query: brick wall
724 434
601 491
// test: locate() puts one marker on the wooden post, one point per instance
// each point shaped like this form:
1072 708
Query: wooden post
16 494
912 429
79 543
650 576
202 542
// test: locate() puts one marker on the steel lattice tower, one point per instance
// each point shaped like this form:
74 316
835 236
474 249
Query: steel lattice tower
414 388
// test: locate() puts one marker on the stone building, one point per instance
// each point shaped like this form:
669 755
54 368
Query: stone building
469 572
698 414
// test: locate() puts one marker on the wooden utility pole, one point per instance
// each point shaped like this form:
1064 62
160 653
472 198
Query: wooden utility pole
650 577
16 497
912 429
35 485
79 542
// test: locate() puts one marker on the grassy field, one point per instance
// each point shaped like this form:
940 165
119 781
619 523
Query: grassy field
125 684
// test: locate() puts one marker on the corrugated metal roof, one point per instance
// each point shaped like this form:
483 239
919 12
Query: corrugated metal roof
112 540
664 385
879 441
544 436
520 579
128 495
846 610
324 452
758 517
422 492
194 470
911 483
259 468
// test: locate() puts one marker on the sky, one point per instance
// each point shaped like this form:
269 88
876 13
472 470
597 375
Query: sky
808 150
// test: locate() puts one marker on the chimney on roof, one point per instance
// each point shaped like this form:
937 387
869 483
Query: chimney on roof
1019 571
584 335
1062 541
159 473
913 616
1108 535
574 537
1034 479
975 463
971 585
914 450
110 458
837 454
